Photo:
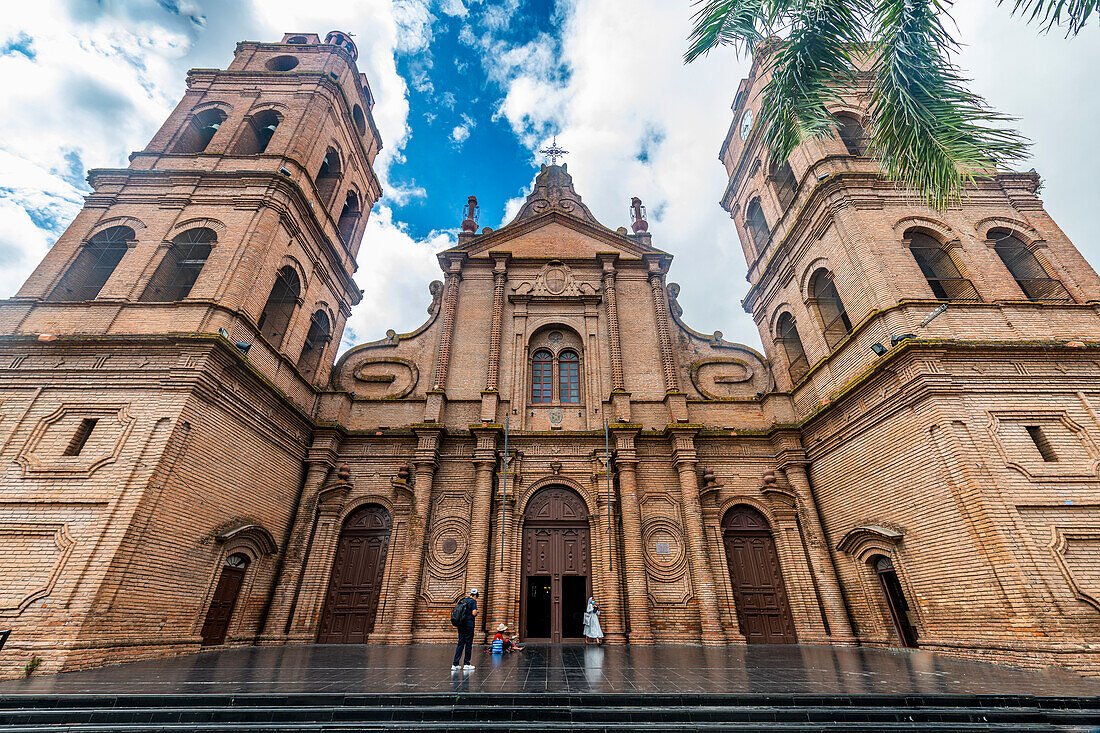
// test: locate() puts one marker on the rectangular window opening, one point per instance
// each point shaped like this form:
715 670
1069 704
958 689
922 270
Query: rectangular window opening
1042 443
80 437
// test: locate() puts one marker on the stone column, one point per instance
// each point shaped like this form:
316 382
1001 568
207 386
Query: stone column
634 566
477 557
821 559
424 466
683 455
446 330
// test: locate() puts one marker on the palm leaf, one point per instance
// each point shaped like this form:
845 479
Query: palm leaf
1074 14
740 23
811 71
929 131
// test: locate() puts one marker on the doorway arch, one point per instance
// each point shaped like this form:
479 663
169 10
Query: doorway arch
900 614
351 602
556 579
763 610
216 625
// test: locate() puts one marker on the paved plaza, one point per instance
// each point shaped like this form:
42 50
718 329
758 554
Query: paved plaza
425 668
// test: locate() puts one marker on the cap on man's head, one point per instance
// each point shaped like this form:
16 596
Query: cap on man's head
473 591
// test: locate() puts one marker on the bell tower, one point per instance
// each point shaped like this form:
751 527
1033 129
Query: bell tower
844 265
160 368
242 216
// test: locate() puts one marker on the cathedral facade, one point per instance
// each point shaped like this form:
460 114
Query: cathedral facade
186 463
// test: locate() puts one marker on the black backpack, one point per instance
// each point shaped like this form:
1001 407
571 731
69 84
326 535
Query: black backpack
460 612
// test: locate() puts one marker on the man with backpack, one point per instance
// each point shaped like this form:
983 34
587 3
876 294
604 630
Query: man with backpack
462 618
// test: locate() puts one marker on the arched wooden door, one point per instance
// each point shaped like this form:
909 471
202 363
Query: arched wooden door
556 559
351 603
762 608
220 613
900 614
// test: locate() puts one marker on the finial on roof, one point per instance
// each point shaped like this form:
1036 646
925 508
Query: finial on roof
470 213
637 216
554 151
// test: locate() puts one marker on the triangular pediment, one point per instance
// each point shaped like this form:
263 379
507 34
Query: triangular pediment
556 236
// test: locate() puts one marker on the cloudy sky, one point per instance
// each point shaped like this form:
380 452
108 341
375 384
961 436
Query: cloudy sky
467 91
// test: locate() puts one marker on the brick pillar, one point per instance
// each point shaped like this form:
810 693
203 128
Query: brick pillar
634 568
447 327
664 337
609 596
424 465
821 560
500 274
478 556
613 343
683 455
290 578
504 590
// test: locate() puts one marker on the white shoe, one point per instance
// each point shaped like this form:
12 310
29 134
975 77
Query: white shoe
455 668
468 667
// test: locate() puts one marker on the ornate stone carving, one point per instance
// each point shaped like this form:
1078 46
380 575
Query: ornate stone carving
556 279
554 192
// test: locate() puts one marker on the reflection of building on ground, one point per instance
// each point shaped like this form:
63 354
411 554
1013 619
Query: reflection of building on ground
187 466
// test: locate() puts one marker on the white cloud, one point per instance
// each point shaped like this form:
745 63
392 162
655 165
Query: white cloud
628 95
459 134
455 8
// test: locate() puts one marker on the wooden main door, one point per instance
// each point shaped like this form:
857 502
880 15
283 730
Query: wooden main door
556 559
351 603
220 613
762 608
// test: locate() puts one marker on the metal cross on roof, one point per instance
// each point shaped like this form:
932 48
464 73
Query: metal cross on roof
554 151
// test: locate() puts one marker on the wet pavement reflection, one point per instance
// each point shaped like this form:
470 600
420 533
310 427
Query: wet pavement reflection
564 668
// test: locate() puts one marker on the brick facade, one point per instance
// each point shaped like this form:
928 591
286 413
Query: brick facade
962 463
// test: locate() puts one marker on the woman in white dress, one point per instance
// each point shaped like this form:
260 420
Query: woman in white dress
592 628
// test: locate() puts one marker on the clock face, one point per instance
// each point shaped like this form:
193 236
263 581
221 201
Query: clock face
746 124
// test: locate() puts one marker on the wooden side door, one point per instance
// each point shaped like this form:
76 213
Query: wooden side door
763 611
220 613
351 604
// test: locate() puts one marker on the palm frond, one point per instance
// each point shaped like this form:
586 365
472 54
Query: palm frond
739 23
929 131
810 72
1074 14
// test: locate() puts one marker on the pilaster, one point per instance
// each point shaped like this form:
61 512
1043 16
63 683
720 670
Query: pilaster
633 568
682 440
425 462
485 458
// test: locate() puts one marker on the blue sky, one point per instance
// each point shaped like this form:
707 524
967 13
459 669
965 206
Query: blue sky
467 91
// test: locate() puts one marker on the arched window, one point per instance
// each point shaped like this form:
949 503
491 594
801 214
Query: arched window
328 177
834 319
316 340
258 133
177 272
853 135
280 306
199 131
542 377
94 265
797 363
349 216
939 269
785 185
569 378
1025 267
757 225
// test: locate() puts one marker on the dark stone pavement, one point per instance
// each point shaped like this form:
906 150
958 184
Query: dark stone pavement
425 668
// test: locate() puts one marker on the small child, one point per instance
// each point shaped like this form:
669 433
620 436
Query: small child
507 643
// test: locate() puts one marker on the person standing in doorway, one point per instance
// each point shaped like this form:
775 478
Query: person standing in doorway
592 628
463 618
